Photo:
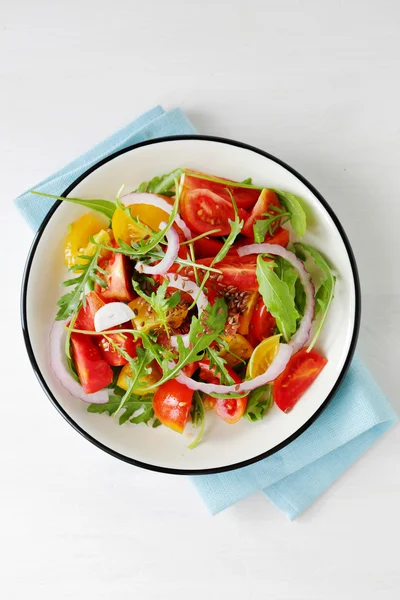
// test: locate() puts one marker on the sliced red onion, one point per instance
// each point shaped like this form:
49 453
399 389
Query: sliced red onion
177 282
275 368
170 255
154 200
58 362
112 314
301 336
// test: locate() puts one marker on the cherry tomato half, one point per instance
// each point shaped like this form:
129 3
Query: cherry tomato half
203 210
302 369
229 409
78 238
172 403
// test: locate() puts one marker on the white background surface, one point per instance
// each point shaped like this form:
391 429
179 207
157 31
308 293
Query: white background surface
316 84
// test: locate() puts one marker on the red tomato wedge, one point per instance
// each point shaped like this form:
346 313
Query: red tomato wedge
85 320
262 323
244 197
124 341
93 371
206 247
302 369
237 273
203 210
267 199
119 288
229 409
172 403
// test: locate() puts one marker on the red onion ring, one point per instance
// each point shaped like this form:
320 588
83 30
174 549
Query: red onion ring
275 368
301 336
58 363
170 255
154 200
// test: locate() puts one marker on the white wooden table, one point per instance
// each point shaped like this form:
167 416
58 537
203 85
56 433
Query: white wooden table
314 83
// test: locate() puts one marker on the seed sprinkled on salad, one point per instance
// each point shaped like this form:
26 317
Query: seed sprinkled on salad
211 308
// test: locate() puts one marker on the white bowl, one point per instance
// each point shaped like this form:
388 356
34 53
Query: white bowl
224 446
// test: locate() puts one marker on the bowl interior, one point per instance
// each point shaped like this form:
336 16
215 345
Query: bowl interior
223 445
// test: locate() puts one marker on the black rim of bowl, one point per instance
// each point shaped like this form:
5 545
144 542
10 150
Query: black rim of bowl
138 463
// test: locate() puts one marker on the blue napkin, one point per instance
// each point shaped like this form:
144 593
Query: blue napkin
296 475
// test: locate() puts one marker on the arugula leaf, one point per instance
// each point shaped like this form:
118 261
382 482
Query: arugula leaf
198 419
292 204
202 333
259 402
131 406
106 207
325 292
160 184
217 363
277 298
273 218
287 273
299 297
69 302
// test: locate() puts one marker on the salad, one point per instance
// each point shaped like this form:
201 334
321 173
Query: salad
191 294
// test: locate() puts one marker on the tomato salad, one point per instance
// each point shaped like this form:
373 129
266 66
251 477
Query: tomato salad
192 293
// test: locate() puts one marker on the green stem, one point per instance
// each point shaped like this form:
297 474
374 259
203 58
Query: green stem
198 437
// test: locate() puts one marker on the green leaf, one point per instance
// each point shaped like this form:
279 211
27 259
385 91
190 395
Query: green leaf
325 292
131 406
247 181
104 207
217 363
292 204
277 298
269 223
300 297
161 184
236 227
69 303
286 273
259 402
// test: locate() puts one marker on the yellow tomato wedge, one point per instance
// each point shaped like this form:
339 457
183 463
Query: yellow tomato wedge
146 380
240 348
78 238
151 216
147 320
262 356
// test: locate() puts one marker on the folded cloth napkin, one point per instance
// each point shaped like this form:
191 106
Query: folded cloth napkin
296 475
